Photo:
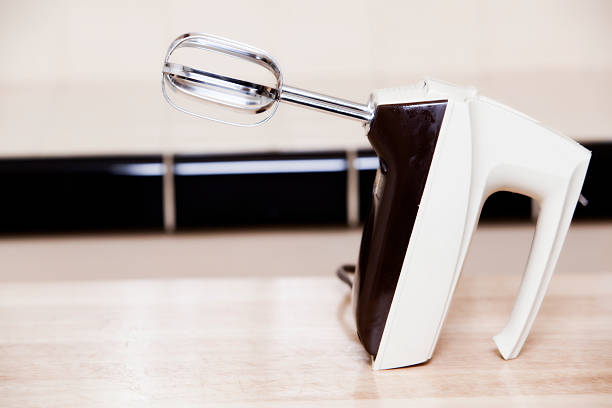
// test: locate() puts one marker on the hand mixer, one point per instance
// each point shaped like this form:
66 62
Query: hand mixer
443 150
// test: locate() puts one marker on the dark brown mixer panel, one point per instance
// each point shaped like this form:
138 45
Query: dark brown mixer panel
404 137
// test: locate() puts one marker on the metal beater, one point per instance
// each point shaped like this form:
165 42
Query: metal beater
244 96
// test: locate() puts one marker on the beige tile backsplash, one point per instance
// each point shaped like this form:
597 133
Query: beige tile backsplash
81 77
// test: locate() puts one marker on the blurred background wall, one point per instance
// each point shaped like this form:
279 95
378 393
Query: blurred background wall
81 105
80 96
83 77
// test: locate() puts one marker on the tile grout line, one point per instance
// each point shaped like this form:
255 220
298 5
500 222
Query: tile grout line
169 205
352 189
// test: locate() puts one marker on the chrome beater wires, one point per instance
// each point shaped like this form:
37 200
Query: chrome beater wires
251 101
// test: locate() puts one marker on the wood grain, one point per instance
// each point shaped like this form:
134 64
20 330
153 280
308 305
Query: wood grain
288 342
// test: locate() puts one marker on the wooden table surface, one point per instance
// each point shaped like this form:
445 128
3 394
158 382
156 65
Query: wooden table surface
279 342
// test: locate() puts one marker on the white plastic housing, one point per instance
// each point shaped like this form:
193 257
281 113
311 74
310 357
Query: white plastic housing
483 147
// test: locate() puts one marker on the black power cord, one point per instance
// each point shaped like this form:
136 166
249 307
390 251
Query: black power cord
343 274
